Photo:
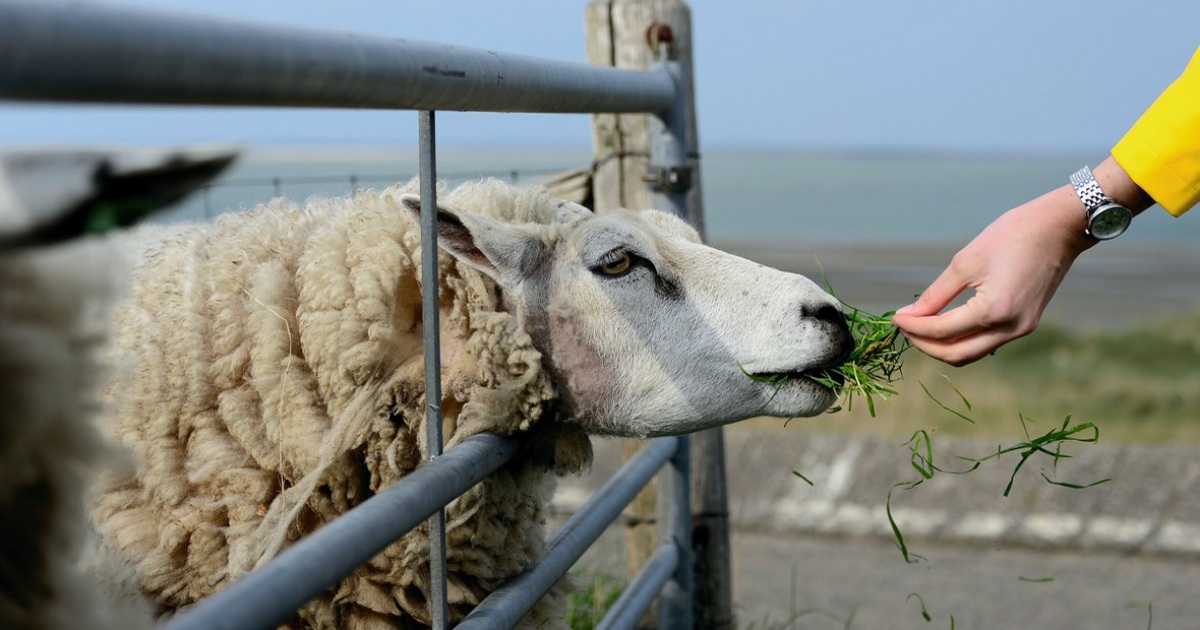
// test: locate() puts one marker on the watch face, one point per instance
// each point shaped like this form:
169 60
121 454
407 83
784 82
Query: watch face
1109 221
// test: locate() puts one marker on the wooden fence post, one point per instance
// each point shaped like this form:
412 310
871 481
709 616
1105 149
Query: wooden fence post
618 34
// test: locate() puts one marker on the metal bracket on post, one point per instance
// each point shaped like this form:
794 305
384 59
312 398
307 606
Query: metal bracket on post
670 173
670 179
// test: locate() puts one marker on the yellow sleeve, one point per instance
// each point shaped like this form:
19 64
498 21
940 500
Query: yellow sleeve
1161 152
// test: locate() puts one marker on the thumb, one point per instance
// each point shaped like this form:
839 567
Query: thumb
933 299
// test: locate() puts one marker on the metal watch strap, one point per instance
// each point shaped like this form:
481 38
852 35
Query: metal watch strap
1088 189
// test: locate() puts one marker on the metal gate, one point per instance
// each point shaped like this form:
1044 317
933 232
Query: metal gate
73 52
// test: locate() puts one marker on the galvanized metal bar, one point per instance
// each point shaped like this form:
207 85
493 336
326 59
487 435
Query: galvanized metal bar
268 596
635 600
56 50
670 173
506 606
675 603
439 611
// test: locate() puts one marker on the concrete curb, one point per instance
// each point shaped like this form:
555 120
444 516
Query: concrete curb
1148 506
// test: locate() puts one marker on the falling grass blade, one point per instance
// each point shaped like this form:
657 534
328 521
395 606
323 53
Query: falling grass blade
910 558
922 462
806 479
1075 486
966 403
924 613
943 405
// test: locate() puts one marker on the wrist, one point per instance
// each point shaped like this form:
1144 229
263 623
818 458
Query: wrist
1109 197
1068 217
1117 184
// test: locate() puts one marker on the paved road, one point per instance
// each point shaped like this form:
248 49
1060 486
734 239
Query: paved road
862 583
826 550
865 583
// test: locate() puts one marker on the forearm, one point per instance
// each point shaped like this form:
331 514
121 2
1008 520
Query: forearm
1014 267
1060 215
1161 151
1116 183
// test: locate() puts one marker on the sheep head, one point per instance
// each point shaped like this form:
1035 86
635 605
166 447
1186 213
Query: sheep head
646 330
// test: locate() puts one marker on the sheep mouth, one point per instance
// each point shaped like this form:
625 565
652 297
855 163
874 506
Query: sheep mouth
818 376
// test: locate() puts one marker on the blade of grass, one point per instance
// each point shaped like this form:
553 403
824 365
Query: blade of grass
806 479
1042 580
943 405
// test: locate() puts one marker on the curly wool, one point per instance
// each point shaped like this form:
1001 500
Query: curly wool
269 377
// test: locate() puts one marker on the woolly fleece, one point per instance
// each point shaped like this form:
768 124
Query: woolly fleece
268 376
53 317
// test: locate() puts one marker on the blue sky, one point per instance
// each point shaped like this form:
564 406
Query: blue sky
1016 76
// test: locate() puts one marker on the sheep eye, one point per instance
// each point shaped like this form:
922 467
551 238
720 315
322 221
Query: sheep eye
616 263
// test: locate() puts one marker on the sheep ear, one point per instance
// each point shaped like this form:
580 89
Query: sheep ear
496 248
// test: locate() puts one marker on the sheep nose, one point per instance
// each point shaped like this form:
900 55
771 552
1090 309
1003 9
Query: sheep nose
830 319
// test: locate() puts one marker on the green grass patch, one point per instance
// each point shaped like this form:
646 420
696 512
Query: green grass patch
587 607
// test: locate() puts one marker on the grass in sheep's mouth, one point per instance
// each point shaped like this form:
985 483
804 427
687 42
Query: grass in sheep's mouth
872 368
873 365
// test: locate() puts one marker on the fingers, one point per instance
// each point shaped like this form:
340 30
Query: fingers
972 318
960 352
962 335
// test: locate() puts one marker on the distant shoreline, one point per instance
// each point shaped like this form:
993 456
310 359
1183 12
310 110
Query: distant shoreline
882 229
1114 286
404 154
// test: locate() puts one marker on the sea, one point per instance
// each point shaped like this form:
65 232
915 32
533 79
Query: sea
879 226
773 196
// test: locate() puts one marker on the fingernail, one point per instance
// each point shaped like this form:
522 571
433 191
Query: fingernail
904 309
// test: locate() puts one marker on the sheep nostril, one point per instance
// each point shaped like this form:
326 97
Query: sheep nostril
835 322
830 314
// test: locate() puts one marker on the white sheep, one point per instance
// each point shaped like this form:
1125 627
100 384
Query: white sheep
268 376
54 304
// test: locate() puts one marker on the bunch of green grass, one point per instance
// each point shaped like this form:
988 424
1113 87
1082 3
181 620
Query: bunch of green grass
873 366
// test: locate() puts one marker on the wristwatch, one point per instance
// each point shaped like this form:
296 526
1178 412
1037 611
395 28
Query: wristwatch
1105 217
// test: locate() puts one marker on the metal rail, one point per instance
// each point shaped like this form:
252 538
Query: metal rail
636 599
51 50
505 607
269 595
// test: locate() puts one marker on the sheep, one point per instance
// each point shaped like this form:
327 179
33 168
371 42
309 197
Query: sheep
53 319
267 376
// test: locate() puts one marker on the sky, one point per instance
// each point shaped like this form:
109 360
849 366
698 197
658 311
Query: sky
973 76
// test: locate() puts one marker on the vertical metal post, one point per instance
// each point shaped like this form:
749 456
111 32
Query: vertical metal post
675 605
670 173
430 312
671 178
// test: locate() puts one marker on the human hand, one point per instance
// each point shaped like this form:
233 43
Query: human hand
1014 267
